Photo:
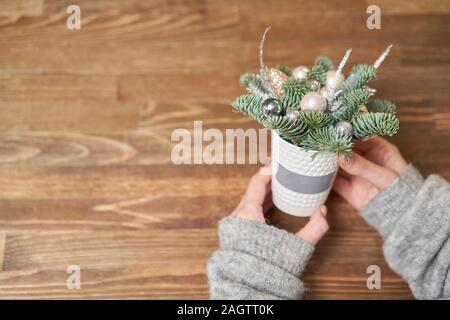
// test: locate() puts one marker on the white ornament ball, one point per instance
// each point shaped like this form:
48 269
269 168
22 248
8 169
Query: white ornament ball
344 126
339 82
323 91
293 114
313 101
363 108
300 73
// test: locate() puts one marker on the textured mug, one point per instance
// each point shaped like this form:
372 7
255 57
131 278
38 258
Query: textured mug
300 182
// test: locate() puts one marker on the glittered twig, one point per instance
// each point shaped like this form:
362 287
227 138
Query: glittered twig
382 57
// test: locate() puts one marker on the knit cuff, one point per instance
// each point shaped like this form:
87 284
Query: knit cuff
274 245
383 211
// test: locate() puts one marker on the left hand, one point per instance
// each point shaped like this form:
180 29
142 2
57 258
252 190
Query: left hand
257 201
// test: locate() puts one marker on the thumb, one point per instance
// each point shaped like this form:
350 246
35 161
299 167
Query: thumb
316 227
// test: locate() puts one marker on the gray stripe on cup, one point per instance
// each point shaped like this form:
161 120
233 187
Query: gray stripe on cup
303 184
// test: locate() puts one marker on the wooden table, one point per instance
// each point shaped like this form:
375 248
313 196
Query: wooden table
86 118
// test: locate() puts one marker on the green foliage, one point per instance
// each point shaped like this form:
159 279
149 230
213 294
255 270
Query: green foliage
315 119
250 104
291 129
325 62
374 123
377 105
328 139
349 103
287 71
319 73
293 92
359 76
248 80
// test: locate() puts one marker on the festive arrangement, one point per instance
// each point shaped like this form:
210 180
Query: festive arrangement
317 108
315 114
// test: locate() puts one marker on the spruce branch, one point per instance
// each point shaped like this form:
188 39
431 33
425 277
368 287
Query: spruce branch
328 139
374 123
378 105
319 73
325 62
248 79
315 119
250 104
291 129
359 76
349 103
287 71
293 92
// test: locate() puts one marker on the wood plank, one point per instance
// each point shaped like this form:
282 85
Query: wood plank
402 7
19 87
2 250
87 116
21 7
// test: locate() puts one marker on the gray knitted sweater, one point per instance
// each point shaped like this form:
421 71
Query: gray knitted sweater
258 261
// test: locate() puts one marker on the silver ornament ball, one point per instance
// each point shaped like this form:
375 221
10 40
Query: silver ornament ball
344 126
300 73
293 114
313 85
271 107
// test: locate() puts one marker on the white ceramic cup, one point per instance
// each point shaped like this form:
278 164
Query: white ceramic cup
300 182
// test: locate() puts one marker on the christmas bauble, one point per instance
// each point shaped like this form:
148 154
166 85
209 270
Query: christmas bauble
313 101
323 91
271 107
313 85
363 108
277 79
339 81
293 114
300 73
344 126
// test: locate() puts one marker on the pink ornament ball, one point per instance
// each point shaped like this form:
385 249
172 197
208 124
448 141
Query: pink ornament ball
313 101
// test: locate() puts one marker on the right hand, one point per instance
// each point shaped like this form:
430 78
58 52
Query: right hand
372 168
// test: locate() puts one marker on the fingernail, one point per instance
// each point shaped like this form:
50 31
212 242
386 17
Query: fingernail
323 210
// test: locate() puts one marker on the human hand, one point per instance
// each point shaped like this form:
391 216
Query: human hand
372 168
257 201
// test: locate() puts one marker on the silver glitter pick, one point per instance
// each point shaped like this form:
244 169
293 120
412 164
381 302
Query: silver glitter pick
264 70
382 57
332 88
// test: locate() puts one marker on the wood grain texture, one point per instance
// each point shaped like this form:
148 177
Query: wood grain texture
86 118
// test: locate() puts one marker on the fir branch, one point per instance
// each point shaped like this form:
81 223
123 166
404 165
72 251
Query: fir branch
315 119
349 103
287 71
374 123
248 79
325 62
293 92
359 76
291 129
378 105
328 139
249 104
318 73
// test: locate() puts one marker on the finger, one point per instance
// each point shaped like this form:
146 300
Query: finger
268 203
258 188
382 152
379 176
316 227
355 190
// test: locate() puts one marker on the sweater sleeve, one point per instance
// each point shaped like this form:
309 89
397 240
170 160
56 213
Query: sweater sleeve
257 261
413 217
